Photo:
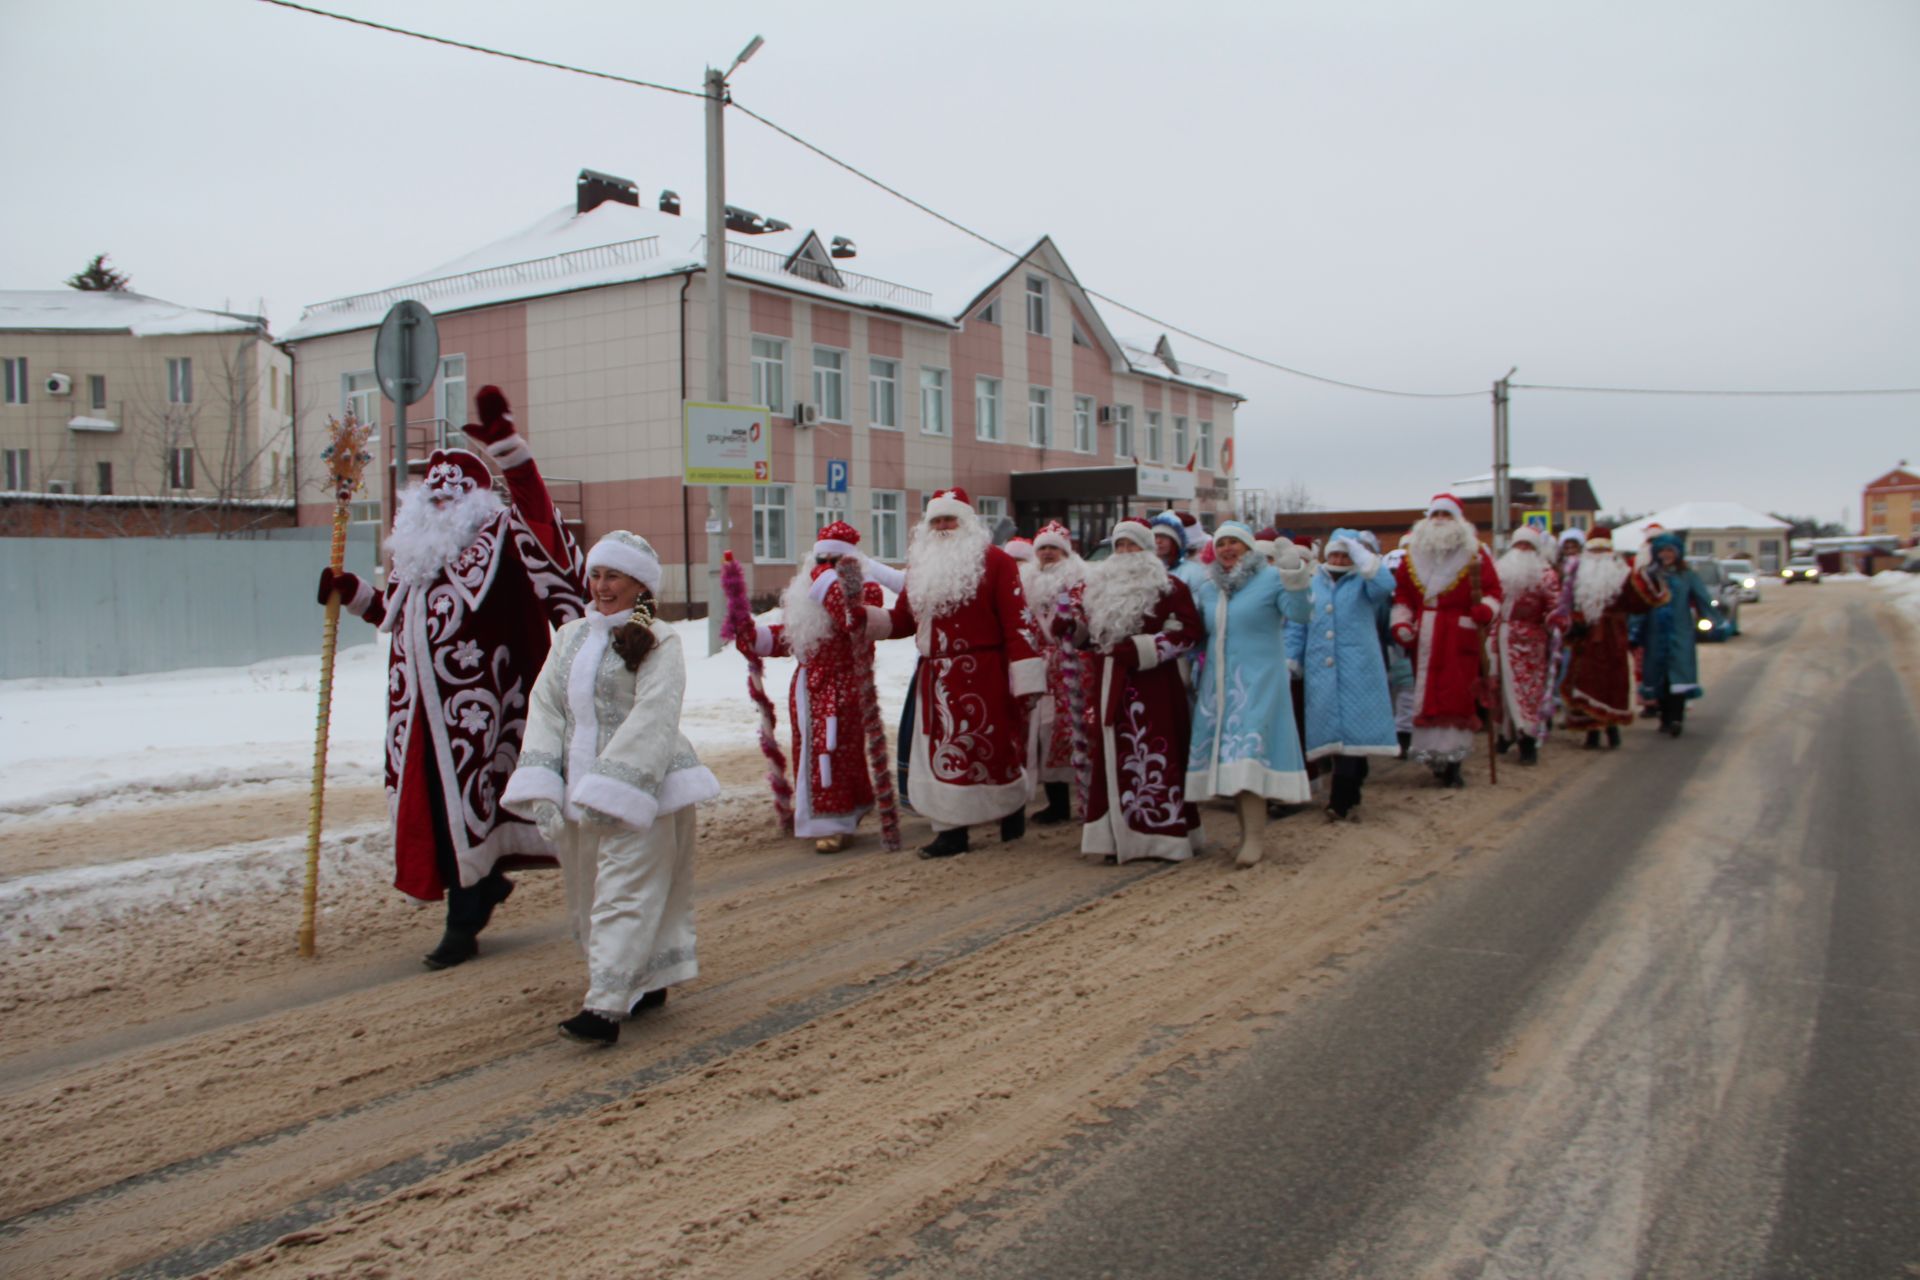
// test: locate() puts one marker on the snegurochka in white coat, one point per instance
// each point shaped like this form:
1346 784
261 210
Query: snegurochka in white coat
610 779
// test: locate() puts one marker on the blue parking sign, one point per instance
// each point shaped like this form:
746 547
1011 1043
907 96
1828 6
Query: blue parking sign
836 476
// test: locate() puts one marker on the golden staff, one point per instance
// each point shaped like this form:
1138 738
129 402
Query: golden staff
346 457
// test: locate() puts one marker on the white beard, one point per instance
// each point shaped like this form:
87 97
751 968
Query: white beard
1520 571
1597 579
944 569
1044 583
1120 591
807 620
1439 551
426 538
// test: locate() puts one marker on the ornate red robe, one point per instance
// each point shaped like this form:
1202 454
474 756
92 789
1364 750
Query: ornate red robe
467 647
832 788
1523 640
969 728
1446 662
1598 687
1050 735
1137 783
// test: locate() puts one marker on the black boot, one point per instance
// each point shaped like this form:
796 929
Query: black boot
1013 826
1529 750
492 891
457 946
1502 745
1593 740
587 1027
651 1000
1406 741
946 844
1453 778
1613 736
1059 806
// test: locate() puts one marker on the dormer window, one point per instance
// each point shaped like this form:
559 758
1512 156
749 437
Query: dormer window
1037 306
989 314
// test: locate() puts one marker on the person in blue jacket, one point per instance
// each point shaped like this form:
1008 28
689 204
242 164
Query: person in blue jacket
1245 744
1671 673
1349 710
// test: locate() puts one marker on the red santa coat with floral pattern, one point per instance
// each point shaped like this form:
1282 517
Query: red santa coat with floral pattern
969 727
1137 780
1446 654
1050 735
467 647
1598 688
832 787
1523 643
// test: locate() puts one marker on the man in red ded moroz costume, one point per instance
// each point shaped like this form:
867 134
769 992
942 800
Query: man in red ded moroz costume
964 607
832 788
1446 589
1600 592
474 585
1049 580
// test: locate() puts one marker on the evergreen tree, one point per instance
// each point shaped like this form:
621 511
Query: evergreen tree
99 278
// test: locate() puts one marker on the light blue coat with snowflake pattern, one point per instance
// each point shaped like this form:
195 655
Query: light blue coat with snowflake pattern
1244 737
1349 706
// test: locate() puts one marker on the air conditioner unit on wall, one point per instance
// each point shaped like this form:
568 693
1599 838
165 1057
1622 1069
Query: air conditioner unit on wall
806 415
59 384
1106 415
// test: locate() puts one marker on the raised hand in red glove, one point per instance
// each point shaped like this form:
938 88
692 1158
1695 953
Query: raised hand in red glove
347 585
1482 615
496 416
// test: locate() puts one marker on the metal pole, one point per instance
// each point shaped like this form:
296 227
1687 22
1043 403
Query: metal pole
716 85
1502 492
404 385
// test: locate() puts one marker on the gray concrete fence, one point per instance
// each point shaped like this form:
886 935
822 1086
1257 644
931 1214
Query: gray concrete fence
122 606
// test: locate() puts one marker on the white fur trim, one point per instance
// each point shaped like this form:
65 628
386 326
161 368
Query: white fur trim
1492 603
947 505
1447 505
362 599
947 805
763 639
616 553
529 786
584 747
1235 530
893 579
510 451
817 589
1051 537
833 547
635 809
1028 675
1147 651
1402 616
1343 749
1135 532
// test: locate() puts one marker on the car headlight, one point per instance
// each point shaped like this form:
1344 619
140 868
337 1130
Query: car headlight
1705 624
1748 583
1813 573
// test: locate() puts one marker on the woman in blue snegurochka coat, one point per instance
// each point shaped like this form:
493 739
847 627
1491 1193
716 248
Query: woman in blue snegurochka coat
1245 744
1671 673
1349 708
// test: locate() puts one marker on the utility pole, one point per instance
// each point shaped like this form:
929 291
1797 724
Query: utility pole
1502 490
721 541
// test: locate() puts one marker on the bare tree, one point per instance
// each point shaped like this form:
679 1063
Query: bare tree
1295 497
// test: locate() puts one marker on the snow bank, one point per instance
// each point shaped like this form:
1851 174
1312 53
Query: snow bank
1903 590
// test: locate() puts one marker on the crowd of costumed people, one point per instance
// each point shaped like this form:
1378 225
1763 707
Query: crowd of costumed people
534 696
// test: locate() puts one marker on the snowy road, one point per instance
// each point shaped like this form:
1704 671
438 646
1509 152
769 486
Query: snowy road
881 1053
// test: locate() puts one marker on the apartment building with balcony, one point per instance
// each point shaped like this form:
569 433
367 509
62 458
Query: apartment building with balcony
127 414
1890 506
995 373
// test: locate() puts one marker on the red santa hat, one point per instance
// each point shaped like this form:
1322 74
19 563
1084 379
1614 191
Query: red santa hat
456 473
628 553
1019 548
950 502
1054 534
837 539
1448 503
1135 532
1525 533
1601 539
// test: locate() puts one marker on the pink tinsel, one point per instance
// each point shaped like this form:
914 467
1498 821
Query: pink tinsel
739 622
876 731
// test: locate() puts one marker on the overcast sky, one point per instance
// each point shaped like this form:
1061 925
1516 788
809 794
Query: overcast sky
1412 195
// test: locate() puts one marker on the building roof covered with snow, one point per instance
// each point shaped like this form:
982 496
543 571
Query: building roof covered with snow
1693 517
113 311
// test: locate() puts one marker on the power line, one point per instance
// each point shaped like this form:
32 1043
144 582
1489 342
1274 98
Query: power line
480 48
1697 391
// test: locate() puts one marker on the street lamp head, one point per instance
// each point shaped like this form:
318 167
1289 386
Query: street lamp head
753 47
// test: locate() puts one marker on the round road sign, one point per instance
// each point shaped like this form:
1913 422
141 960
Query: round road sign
406 354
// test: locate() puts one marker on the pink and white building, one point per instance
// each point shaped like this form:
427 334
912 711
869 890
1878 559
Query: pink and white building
1005 378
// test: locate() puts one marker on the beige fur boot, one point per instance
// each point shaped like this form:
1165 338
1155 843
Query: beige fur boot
1253 824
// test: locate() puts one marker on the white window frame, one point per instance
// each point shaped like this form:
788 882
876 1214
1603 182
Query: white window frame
773 397
16 367
180 467
887 517
362 397
987 423
1206 444
450 395
103 478
97 392
935 391
1040 417
1083 424
828 507
179 379
19 470
1123 441
989 314
1701 547
883 393
1182 442
768 500
830 377
1039 307
1156 434
990 509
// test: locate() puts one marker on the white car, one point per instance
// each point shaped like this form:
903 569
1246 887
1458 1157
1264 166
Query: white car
1742 580
1801 569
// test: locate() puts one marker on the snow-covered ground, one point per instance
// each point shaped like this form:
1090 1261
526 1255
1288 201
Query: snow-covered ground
107 742
1903 589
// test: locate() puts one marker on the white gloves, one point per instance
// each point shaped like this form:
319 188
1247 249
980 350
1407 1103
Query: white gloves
1295 573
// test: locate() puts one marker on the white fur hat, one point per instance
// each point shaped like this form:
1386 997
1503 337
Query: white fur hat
1236 530
949 502
1135 532
629 553
1054 534
1525 533
1448 503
